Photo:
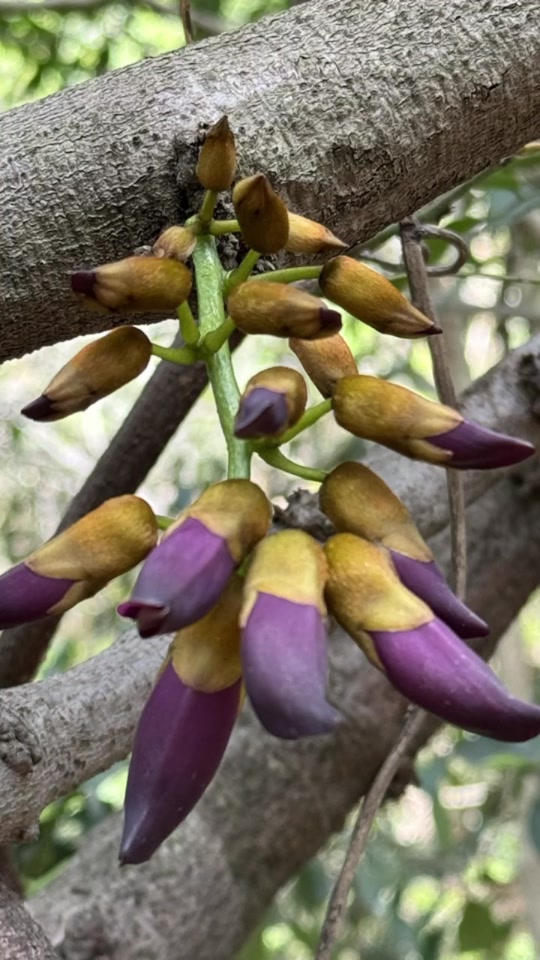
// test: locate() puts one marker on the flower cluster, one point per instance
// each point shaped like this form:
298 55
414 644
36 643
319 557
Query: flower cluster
248 610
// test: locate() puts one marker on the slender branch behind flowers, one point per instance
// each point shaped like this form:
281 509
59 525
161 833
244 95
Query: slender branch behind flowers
417 720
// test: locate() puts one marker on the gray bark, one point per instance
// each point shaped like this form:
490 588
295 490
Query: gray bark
57 733
360 112
21 938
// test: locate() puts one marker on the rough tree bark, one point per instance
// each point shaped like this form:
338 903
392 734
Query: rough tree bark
360 112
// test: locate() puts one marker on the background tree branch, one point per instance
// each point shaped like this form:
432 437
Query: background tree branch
361 113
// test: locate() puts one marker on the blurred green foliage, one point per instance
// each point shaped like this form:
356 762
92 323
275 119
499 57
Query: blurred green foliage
442 875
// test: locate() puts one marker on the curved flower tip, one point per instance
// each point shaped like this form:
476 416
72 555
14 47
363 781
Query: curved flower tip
284 658
330 322
429 332
40 409
262 413
436 670
180 581
82 281
180 740
426 580
27 596
477 448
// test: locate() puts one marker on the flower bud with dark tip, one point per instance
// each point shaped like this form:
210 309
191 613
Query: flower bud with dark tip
134 285
308 236
176 243
357 501
80 561
420 654
262 215
370 297
184 727
186 573
421 429
325 361
278 310
97 370
284 645
217 160
272 401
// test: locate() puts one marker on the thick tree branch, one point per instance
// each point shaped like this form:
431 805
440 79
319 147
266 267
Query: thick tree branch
361 113
273 803
21 938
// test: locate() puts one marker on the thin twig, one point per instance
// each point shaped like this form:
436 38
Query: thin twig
185 16
335 912
412 232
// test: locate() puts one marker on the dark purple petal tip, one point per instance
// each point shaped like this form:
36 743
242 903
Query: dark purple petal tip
263 413
330 319
477 448
436 670
27 596
180 740
284 659
431 331
40 409
180 581
427 581
83 282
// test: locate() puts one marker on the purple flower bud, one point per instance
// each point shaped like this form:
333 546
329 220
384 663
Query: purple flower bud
26 596
436 670
262 413
426 580
40 409
180 581
284 659
477 448
180 740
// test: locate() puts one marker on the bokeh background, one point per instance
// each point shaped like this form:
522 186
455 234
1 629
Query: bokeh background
453 868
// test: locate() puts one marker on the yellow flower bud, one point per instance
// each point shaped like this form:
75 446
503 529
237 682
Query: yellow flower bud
308 236
206 655
364 593
387 413
262 215
272 401
370 297
235 510
217 159
290 565
97 370
325 361
260 306
137 284
175 243
97 548
356 500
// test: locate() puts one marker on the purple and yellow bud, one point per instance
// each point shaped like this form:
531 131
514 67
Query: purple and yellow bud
284 644
262 215
279 310
357 501
137 284
77 563
308 236
325 361
175 243
217 160
97 370
272 401
187 572
371 298
421 429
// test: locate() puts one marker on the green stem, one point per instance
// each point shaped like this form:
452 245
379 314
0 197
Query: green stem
163 522
277 459
242 271
188 325
207 207
306 420
209 278
183 356
218 227
291 274
214 341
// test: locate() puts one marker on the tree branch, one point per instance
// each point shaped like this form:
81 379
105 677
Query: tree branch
91 173
273 803
21 938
